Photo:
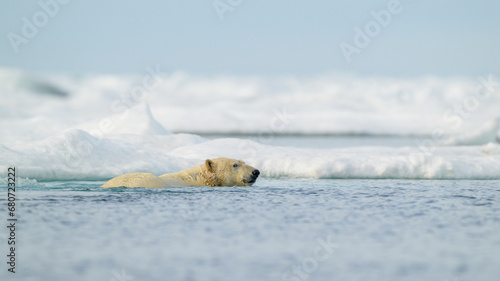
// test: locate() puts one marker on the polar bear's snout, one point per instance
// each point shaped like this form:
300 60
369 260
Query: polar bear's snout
253 177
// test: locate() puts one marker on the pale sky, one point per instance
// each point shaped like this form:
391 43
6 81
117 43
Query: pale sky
244 37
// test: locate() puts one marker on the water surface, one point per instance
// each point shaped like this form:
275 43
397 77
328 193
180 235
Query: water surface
280 229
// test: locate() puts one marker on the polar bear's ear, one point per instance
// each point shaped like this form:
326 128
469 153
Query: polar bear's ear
210 165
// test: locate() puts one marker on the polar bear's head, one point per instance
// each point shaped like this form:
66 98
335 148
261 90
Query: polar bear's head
231 172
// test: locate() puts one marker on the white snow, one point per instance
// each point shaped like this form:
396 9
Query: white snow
102 128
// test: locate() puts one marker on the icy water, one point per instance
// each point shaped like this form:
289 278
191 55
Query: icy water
279 229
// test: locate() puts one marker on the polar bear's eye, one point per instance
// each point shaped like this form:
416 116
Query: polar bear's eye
235 165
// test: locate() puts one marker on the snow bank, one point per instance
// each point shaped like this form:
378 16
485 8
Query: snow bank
77 155
98 127
185 103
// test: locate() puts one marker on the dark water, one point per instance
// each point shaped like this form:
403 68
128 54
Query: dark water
280 229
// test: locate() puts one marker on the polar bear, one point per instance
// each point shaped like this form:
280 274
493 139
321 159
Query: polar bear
214 172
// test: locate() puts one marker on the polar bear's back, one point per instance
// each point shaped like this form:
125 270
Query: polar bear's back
137 180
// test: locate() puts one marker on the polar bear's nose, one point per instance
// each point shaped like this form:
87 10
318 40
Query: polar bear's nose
256 173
